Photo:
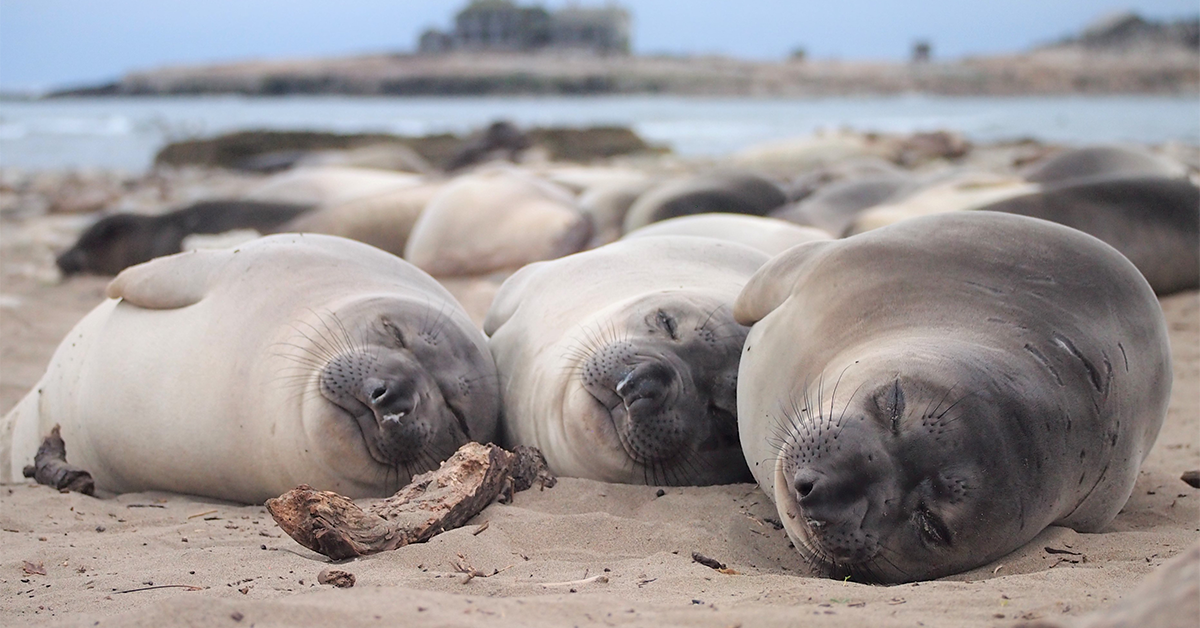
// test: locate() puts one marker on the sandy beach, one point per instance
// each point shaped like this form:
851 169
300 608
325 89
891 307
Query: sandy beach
580 553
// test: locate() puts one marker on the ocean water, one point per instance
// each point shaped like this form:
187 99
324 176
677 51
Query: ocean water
124 134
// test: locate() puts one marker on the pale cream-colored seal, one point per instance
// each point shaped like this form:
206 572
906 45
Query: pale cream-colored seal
238 374
620 362
384 219
494 220
769 235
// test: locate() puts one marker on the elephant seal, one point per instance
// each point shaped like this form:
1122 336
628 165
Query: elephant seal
607 204
383 220
769 235
495 220
119 241
1153 221
1103 161
620 363
833 207
957 192
241 373
501 139
922 399
723 192
328 185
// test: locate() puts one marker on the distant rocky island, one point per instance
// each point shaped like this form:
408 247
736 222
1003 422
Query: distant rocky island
499 48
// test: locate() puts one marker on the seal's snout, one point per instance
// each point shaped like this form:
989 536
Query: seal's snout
71 262
834 512
648 382
391 400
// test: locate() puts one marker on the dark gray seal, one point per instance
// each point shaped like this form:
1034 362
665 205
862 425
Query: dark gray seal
620 363
722 192
926 397
119 241
834 207
1102 161
1153 221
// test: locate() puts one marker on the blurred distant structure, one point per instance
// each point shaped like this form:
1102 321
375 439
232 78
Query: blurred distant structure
1131 32
503 26
922 50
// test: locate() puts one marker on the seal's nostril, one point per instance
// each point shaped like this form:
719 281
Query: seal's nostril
646 381
378 393
805 481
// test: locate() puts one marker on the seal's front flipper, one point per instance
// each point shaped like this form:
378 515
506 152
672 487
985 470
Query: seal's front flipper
168 282
775 281
509 297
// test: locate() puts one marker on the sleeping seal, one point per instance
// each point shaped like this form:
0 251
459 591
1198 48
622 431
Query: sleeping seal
924 398
238 374
769 235
1154 221
119 241
495 220
721 192
620 363
1103 162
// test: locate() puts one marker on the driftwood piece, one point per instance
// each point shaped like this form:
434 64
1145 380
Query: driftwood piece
529 468
433 502
50 467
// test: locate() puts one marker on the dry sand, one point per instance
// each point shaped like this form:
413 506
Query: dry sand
157 559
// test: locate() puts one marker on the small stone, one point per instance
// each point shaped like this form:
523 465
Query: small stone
336 577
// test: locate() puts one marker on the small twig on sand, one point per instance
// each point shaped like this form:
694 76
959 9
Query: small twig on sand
163 586
481 528
472 573
571 583
201 514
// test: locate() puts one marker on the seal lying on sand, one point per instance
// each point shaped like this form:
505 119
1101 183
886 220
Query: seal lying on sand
119 241
834 206
383 220
927 397
240 373
495 220
1154 221
620 363
1103 161
769 235
730 193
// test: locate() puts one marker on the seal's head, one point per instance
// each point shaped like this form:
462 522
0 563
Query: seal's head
401 371
119 241
660 377
901 471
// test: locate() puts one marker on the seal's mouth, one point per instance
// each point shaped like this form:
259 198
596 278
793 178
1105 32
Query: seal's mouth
804 533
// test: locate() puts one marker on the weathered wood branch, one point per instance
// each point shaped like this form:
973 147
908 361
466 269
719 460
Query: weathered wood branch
432 503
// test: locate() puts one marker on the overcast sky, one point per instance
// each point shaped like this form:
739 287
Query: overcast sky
55 43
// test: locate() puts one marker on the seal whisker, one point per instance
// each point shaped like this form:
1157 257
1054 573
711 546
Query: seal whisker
313 344
327 335
958 401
